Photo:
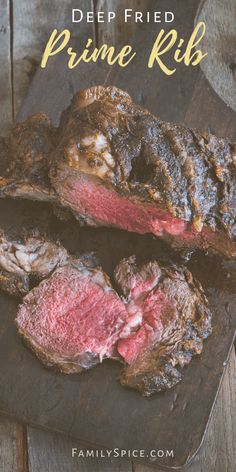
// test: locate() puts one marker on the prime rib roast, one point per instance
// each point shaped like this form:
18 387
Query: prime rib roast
113 163
149 316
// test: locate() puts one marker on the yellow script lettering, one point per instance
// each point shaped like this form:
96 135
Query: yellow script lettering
157 51
105 52
195 57
51 49
58 41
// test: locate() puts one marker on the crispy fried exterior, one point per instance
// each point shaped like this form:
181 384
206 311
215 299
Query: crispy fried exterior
27 260
24 159
190 175
185 326
164 300
106 139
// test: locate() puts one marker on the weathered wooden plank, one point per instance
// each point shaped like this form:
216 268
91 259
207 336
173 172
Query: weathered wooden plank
12 458
220 43
12 451
5 66
32 23
165 96
117 32
149 87
49 452
219 450
217 453
61 86
206 111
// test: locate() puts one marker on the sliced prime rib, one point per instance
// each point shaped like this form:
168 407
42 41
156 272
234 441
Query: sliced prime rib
73 319
174 322
24 160
26 261
116 164
151 318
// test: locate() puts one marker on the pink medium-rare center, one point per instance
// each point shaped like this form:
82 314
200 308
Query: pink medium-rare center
79 312
118 165
105 206
154 318
70 317
100 205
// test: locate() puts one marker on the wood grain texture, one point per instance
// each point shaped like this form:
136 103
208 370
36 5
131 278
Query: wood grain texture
12 451
48 452
220 44
149 87
33 22
218 450
65 83
117 32
52 452
165 96
206 111
5 66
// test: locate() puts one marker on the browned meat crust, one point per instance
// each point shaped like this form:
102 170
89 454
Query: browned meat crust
107 140
185 325
26 261
163 301
190 175
24 159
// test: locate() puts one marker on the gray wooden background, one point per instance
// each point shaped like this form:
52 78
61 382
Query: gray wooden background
24 27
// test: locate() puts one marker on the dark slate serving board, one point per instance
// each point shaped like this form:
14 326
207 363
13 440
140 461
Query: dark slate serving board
93 407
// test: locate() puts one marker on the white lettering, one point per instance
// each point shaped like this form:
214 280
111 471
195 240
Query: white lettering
169 17
127 14
89 453
111 16
160 453
100 16
170 453
77 15
157 17
90 17
138 17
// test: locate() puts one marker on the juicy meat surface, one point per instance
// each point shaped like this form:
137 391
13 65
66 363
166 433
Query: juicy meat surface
175 320
113 163
28 259
155 318
116 164
73 319
24 159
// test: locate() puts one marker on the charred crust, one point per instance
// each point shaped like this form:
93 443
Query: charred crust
156 368
25 157
189 174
